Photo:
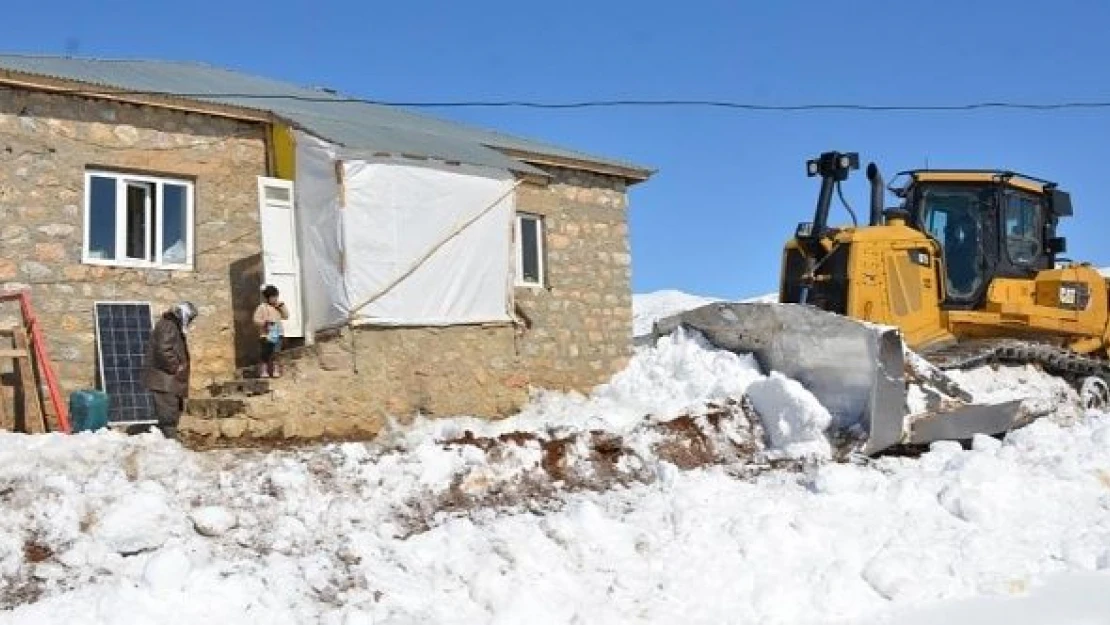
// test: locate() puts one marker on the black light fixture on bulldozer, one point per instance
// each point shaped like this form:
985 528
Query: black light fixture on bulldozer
833 167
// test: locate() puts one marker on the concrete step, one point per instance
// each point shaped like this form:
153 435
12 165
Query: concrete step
215 407
249 387
295 353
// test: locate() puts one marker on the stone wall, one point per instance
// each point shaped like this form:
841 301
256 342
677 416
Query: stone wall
581 330
46 143
578 329
578 324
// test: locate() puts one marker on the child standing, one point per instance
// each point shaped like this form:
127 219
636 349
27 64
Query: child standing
268 317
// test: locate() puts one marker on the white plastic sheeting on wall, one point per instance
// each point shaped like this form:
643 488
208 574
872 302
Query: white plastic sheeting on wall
427 245
320 228
399 243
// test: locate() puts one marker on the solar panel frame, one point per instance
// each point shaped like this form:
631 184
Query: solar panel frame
120 359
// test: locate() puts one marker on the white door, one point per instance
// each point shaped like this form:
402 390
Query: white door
279 248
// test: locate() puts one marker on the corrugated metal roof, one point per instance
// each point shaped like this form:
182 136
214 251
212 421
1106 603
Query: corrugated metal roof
356 125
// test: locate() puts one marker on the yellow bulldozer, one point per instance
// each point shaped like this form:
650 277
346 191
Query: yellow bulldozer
966 271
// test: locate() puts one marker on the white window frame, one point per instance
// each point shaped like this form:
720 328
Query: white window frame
122 182
540 250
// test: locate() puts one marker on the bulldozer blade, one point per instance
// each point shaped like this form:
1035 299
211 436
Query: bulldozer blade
963 422
856 370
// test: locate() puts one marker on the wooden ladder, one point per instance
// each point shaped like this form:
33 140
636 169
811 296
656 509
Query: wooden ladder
33 369
27 402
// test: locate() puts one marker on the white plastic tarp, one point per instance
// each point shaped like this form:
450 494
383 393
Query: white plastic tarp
427 245
399 243
320 229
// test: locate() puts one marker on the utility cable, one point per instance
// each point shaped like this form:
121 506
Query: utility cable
327 97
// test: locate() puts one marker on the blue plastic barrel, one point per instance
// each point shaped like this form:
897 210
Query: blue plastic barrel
88 410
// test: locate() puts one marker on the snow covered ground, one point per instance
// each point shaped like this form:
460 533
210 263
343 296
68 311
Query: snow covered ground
103 528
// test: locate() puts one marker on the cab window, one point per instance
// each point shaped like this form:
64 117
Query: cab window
1024 223
953 216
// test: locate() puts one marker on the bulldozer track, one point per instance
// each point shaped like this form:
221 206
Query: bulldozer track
1055 360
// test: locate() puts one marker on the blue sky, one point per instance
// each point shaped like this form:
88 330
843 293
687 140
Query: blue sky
731 184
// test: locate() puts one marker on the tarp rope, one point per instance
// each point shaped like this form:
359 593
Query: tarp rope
435 248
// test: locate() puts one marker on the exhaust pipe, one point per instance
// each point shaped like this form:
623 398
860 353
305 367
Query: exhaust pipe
876 179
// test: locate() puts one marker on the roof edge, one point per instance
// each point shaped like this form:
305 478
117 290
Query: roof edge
1010 178
632 175
85 89
95 90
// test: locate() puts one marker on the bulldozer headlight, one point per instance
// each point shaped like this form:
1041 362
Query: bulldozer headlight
811 168
919 257
1074 296
1067 295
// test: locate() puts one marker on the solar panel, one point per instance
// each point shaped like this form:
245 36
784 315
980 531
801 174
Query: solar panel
122 332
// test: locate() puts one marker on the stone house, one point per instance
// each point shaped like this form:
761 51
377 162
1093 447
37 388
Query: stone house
465 266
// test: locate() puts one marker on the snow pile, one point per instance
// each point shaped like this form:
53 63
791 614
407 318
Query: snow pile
680 402
681 373
1042 392
794 420
316 538
766 298
649 307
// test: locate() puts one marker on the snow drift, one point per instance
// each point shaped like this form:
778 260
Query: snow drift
312 536
690 488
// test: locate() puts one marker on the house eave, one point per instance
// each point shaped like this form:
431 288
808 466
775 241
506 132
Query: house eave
87 89
62 86
631 175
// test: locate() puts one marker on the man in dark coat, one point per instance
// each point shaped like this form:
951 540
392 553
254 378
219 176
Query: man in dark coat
166 373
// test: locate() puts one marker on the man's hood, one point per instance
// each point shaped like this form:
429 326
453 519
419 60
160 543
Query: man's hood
186 312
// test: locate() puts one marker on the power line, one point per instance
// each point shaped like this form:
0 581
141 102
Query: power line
756 107
583 104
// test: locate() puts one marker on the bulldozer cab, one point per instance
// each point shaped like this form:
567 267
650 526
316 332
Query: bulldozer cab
988 225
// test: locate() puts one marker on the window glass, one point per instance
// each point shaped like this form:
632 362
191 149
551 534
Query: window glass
1023 221
175 223
102 218
935 226
954 217
530 252
138 221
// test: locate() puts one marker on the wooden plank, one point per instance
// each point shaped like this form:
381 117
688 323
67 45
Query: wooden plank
7 422
13 353
33 419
